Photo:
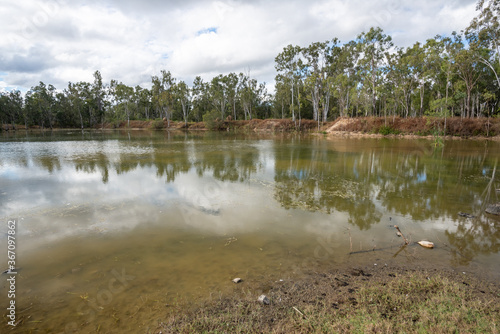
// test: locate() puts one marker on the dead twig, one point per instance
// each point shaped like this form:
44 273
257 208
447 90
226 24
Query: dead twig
302 314
350 239
406 240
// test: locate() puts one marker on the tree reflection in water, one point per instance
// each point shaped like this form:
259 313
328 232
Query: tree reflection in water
363 178
406 178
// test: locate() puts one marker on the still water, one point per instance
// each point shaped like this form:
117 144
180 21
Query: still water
114 228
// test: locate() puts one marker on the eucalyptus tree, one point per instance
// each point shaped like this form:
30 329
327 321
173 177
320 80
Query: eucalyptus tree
200 95
484 33
88 99
72 96
40 100
142 97
75 94
401 77
247 91
252 94
314 67
219 94
232 91
373 47
124 96
4 108
289 67
16 103
163 94
320 67
89 112
417 63
440 58
344 73
11 108
282 97
183 95
449 48
65 115
469 71
98 93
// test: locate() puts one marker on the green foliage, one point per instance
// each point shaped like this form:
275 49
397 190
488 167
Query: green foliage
157 124
212 120
116 124
388 130
422 133
438 140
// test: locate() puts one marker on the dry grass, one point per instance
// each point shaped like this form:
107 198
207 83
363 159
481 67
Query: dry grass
254 125
425 126
386 301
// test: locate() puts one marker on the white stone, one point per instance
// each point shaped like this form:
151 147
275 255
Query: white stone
264 300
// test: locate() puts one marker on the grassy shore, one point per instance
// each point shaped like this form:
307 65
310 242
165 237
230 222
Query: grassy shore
385 300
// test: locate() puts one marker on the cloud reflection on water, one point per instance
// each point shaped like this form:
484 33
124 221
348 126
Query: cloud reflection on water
239 184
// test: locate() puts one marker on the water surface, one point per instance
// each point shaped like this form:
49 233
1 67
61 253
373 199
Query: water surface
116 227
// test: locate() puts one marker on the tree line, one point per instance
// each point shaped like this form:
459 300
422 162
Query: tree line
456 75
89 104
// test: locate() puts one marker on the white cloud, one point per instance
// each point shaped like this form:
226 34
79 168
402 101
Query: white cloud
57 41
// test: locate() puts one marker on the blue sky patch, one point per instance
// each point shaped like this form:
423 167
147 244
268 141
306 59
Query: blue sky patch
207 31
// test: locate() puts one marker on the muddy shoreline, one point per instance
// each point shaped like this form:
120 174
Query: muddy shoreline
331 294
338 293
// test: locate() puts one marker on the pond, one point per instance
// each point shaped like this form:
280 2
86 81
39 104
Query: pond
113 228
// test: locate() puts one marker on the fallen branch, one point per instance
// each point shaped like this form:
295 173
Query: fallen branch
406 240
376 249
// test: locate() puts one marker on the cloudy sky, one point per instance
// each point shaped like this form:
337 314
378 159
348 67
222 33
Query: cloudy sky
57 41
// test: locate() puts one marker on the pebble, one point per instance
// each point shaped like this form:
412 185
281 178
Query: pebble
264 300
237 280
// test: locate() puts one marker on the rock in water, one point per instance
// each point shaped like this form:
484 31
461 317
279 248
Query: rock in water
264 300
237 280
494 209
466 215
426 244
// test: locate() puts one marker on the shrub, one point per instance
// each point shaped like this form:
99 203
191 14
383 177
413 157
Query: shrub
212 121
387 130
157 124
116 124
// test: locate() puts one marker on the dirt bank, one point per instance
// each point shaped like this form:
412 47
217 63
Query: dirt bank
421 127
255 125
362 126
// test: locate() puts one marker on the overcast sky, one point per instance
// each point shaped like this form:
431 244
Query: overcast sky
57 41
